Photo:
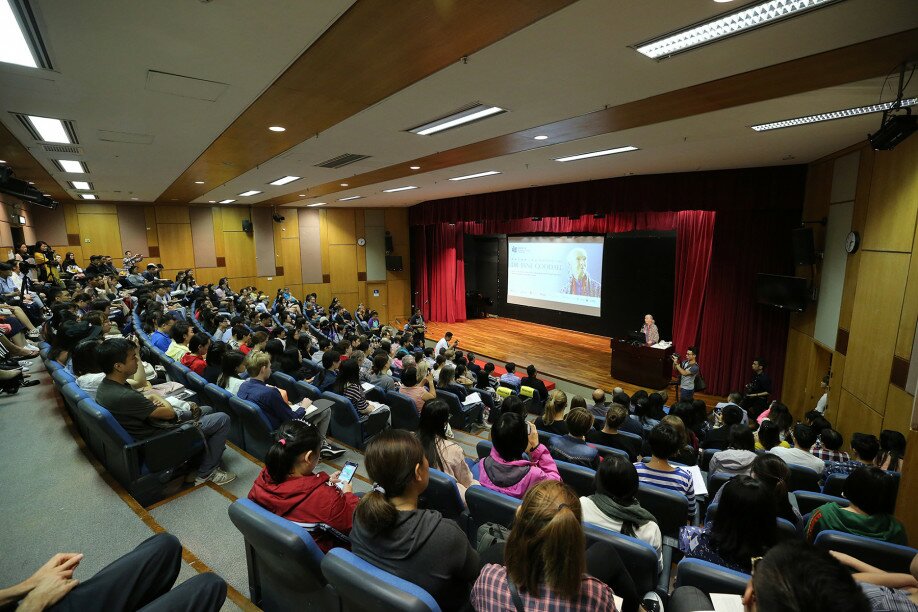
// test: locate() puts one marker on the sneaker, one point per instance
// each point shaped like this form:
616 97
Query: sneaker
218 477
34 334
652 602
330 452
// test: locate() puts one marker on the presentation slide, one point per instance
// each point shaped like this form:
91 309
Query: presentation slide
560 273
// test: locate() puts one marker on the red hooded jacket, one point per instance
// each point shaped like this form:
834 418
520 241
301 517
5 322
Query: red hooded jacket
307 499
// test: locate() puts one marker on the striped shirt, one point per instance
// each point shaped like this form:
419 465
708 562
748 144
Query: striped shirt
355 394
678 480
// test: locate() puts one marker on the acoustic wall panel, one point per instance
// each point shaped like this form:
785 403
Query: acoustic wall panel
375 234
263 232
310 246
132 224
52 224
202 238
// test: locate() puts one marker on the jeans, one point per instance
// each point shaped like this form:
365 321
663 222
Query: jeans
686 395
215 428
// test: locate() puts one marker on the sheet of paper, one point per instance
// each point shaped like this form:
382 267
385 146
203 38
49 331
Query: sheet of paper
724 602
618 601
701 488
367 386
472 398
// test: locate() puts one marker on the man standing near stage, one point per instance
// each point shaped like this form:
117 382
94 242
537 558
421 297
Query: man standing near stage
416 323
651 333
757 391
688 370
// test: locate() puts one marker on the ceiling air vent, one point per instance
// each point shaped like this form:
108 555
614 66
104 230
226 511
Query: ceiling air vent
342 160
61 148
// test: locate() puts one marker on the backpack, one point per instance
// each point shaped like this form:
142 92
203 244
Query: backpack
490 534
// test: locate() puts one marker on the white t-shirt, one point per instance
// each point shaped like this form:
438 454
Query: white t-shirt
233 384
797 456
441 344
90 383
823 403
649 532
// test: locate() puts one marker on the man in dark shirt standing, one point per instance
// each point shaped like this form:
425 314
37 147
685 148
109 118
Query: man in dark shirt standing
136 413
757 390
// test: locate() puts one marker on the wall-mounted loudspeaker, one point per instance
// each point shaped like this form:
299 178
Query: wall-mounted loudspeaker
804 251
247 226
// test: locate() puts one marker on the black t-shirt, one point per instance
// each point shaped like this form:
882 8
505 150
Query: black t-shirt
558 427
616 440
760 383
536 384
130 408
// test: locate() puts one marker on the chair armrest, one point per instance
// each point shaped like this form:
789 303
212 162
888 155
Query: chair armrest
167 449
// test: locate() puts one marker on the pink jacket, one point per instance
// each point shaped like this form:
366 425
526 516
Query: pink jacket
514 478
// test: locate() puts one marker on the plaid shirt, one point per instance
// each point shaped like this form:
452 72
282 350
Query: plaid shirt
491 593
829 455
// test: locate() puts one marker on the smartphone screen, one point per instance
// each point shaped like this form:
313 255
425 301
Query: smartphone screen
347 473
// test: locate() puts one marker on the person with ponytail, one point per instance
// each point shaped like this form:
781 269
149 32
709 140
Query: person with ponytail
545 560
390 532
442 453
290 487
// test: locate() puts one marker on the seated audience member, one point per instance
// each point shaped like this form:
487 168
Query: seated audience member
181 336
325 379
686 455
774 474
162 337
615 505
892 450
768 436
544 564
804 439
509 377
390 532
572 446
552 420
780 415
864 449
485 376
240 339
827 446
505 470
256 390
348 385
870 493
447 382
886 591
578 401
419 391
214 361
194 359
688 414
291 363
746 526
232 365
615 415
143 417
442 453
717 437
817 421
665 442
140 579
643 411
791 577
599 406
532 380
740 453
290 487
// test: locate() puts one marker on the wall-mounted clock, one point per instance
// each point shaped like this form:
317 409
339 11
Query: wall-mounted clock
852 242
361 241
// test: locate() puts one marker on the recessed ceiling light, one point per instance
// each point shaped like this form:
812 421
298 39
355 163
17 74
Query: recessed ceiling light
394 189
302 195
471 176
596 154
467 115
31 182
349 198
211 201
133 198
199 182
284 180
85 185
2 161
87 196
70 165
540 137
727 24
227 201
250 192
277 128
50 130
344 184
839 114
316 204
415 167
18 43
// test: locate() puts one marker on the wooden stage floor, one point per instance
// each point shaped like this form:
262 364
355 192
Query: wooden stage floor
572 356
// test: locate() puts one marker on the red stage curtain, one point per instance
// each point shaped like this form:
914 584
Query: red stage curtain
446 284
694 234
735 329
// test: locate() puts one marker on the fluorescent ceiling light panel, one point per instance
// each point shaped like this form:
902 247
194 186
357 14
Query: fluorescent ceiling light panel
87 196
15 48
349 198
227 201
468 115
71 165
472 176
399 189
596 154
81 185
284 180
839 114
316 204
50 130
248 193
727 24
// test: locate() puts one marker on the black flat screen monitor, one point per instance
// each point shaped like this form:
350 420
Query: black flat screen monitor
785 292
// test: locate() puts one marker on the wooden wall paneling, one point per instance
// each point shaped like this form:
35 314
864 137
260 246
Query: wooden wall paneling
270 284
906 508
343 270
240 254
835 386
898 413
202 237
175 245
290 252
906 336
63 249
233 217
149 214
378 302
893 200
219 246
322 291
858 222
349 300
51 224
71 219
323 242
99 235
6 235
361 291
206 276
279 247
399 300
172 214
341 226
360 232
855 416
132 224
874 325
97 208
796 365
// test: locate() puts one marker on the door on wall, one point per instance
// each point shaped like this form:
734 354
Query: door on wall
377 300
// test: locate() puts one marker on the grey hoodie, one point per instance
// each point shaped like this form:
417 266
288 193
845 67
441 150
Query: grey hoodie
426 549
732 462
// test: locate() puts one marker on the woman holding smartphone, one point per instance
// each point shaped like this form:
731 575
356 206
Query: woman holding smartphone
290 487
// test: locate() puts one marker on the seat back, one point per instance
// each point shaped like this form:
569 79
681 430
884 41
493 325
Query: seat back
288 384
710 578
487 506
458 418
638 556
669 508
256 428
581 479
61 376
177 371
308 390
284 563
716 481
705 459
802 478
483 448
884 555
364 587
219 398
106 438
404 411
835 485
807 501
345 421
442 495
196 383
605 451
